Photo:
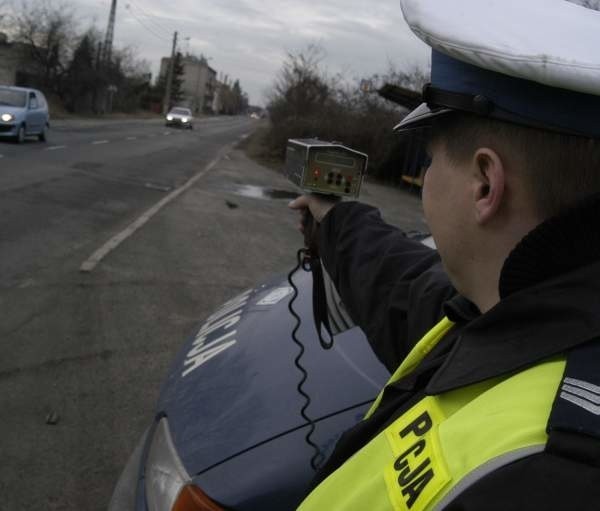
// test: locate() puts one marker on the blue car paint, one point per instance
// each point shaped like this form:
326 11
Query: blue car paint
235 420
248 394
34 118
276 476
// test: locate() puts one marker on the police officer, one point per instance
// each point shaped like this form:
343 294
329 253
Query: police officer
493 340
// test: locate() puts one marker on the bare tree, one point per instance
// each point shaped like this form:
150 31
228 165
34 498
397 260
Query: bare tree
128 77
301 86
48 30
234 100
131 63
412 79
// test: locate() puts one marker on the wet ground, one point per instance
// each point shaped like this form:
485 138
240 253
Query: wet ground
262 192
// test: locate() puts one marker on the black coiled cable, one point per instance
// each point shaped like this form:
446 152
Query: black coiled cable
303 262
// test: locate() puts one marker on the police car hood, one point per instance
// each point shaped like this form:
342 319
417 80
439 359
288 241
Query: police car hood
233 386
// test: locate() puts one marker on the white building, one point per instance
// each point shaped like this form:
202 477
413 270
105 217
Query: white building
14 60
199 83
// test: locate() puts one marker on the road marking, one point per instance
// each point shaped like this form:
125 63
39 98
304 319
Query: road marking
246 135
167 133
131 138
1 156
55 147
97 142
91 262
154 186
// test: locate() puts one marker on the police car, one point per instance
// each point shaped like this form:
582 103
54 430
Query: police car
228 433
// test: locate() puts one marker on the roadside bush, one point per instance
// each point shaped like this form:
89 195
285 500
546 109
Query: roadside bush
306 103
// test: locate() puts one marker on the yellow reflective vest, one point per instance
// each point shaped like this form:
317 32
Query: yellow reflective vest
445 443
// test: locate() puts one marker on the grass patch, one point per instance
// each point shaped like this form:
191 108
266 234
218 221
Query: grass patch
257 148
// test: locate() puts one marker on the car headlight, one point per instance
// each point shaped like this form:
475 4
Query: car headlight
7 117
168 485
169 117
184 119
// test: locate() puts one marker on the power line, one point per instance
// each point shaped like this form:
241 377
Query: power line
152 19
161 30
155 34
143 24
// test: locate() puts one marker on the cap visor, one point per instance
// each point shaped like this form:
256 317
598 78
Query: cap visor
420 117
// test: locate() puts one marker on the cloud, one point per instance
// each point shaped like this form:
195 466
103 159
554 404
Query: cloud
249 39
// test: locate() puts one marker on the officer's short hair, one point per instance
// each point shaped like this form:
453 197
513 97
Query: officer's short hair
558 169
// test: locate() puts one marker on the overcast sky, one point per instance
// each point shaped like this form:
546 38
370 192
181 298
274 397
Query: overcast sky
248 39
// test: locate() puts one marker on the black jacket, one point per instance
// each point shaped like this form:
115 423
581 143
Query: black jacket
395 289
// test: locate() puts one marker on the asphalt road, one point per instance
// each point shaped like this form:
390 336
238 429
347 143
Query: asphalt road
83 353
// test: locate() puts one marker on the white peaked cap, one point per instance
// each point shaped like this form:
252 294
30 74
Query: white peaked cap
534 62
553 42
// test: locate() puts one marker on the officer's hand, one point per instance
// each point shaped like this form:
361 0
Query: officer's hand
318 205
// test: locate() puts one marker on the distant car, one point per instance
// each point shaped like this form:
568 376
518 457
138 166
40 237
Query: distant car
227 432
23 113
181 117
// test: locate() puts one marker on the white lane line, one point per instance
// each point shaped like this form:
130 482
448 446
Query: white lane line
98 142
27 283
131 138
167 133
55 147
161 188
1 156
246 135
91 262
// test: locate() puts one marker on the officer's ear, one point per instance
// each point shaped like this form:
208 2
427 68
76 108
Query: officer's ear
488 184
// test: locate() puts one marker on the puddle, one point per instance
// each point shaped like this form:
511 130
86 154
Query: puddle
259 192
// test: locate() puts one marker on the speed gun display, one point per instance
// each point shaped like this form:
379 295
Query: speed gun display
323 167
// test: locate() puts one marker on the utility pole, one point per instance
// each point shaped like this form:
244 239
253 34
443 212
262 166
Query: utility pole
106 55
110 34
98 57
97 66
167 100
